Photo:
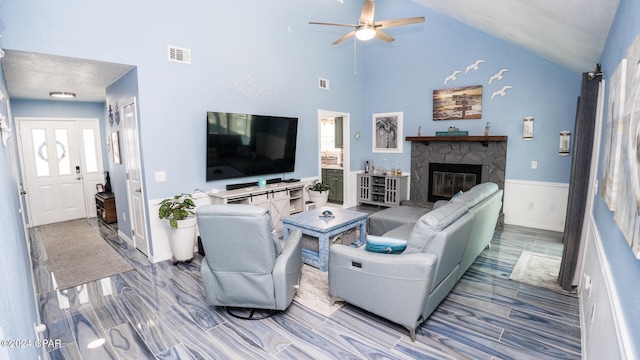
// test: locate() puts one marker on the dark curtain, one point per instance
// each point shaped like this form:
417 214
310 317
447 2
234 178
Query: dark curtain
580 170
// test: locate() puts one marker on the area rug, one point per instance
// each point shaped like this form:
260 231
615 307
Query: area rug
78 254
313 292
538 270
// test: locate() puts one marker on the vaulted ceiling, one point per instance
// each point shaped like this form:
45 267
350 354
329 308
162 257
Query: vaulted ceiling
571 33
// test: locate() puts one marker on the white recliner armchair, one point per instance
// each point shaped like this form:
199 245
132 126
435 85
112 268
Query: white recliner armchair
245 264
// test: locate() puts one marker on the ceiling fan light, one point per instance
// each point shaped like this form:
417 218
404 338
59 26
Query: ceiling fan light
62 95
365 33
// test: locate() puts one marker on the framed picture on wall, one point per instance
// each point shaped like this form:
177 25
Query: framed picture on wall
115 147
462 103
387 132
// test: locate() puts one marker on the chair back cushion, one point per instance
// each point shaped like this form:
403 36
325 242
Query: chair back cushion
476 194
431 223
238 238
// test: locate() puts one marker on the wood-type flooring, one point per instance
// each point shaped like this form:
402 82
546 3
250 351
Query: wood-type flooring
158 311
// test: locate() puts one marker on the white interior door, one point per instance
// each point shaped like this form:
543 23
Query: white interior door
55 164
135 192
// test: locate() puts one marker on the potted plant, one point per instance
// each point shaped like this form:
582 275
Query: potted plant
181 225
319 193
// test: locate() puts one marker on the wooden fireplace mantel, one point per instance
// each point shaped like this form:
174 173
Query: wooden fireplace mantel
481 138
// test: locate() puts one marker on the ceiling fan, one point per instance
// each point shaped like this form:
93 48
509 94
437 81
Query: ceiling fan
367 29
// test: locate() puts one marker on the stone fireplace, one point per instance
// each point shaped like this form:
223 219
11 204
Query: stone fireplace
487 152
445 180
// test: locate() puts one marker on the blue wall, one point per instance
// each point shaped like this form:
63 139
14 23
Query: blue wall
287 55
17 300
118 94
625 268
401 76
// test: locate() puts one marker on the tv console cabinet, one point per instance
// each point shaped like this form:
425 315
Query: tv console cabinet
282 199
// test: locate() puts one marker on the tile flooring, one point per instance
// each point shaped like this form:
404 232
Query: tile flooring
159 311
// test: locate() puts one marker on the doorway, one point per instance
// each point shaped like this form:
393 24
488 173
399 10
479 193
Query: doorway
135 192
61 163
334 150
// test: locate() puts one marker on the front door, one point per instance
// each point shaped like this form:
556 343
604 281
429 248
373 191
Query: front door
60 158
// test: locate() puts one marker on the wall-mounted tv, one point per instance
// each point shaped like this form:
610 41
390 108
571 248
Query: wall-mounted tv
243 145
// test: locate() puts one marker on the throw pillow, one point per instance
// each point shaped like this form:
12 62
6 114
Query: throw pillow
387 245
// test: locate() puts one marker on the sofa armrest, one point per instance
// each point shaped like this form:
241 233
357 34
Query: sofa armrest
286 270
391 286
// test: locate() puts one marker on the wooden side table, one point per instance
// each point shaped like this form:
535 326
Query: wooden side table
106 207
310 223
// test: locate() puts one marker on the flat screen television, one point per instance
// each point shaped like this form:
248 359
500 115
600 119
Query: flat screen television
243 145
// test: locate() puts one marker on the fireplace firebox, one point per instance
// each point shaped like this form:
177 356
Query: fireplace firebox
447 179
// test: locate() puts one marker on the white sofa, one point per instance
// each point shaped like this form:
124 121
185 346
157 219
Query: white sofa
440 246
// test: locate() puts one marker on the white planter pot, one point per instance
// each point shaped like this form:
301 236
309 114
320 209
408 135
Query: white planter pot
183 239
320 198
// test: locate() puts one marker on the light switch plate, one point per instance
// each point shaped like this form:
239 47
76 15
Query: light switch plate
161 176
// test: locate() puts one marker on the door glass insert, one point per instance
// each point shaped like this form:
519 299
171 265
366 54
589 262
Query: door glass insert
40 152
90 156
62 148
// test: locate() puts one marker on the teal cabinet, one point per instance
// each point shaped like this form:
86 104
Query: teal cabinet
334 178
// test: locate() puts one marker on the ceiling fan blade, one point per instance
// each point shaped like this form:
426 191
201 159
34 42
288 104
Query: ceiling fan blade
331 24
351 34
398 22
384 36
368 9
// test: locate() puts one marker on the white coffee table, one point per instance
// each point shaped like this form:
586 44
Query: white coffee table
312 224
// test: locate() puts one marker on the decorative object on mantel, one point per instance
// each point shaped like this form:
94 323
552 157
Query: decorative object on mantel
565 140
474 66
501 92
487 126
247 87
5 130
387 132
458 103
452 131
498 76
527 132
419 127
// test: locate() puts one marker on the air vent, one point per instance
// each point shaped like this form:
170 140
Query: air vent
181 55
323 83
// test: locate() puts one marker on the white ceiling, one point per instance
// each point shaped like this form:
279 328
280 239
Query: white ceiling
571 33
32 76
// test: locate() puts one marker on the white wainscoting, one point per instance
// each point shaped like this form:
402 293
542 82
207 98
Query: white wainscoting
535 204
160 247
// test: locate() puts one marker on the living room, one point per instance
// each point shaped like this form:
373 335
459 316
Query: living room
274 50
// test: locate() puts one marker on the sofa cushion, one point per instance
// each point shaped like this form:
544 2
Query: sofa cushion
476 194
387 219
433 222
401 232
383 244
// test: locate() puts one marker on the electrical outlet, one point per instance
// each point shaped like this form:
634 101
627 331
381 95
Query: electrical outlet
534 164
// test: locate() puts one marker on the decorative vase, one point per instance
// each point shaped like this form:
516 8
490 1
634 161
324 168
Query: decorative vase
183 239
319 197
